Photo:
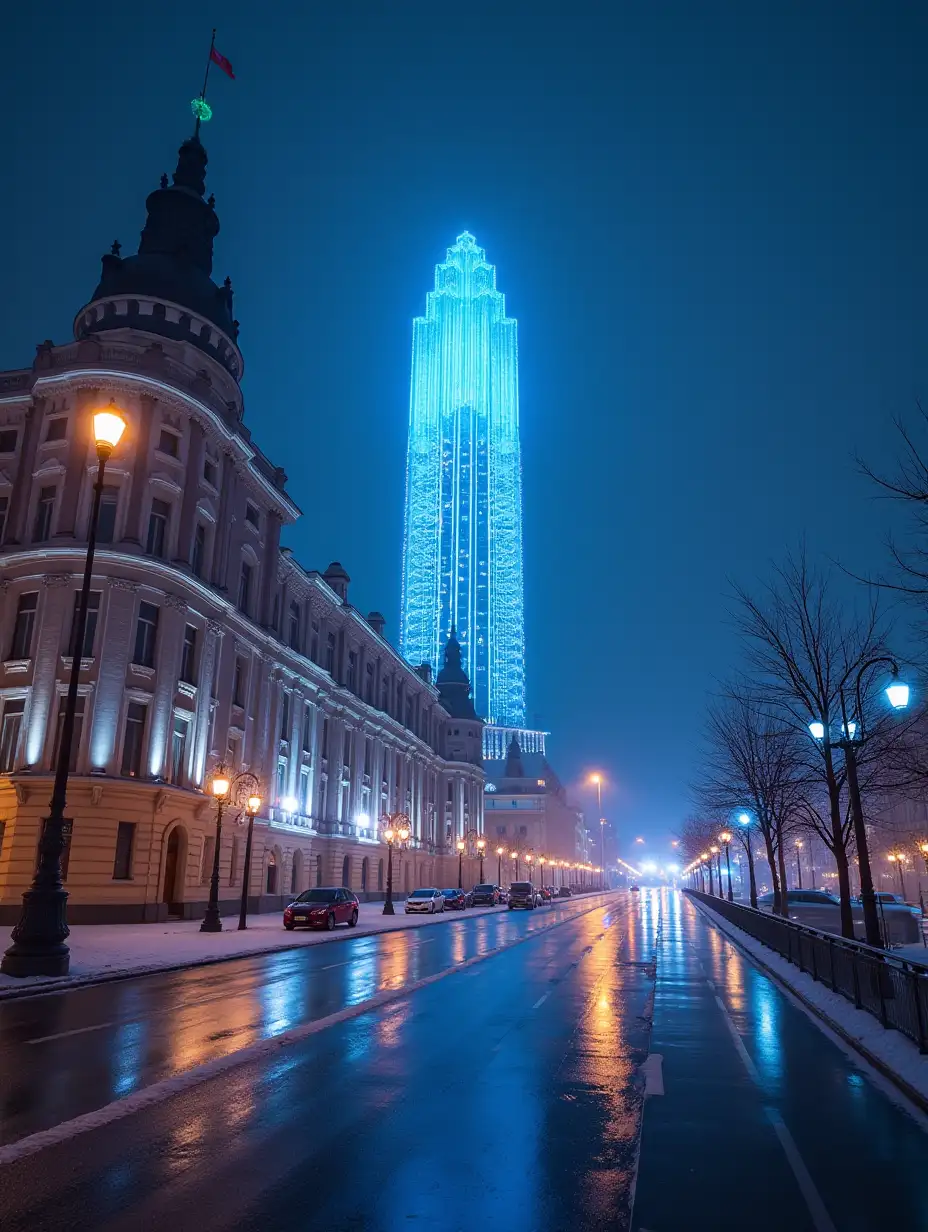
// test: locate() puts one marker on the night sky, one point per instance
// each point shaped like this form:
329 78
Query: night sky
708 219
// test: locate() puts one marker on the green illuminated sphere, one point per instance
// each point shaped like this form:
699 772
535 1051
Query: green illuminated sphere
201 109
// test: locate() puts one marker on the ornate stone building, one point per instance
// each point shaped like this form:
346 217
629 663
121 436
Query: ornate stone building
206 641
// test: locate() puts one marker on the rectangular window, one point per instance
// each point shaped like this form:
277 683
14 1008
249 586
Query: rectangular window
198 555
4 509
209 472
169 443
285 717
11 727
314 642
146 634
252 517
304 793
57 429
188 656
125 842
106 524
368 755
330 654
206 868
78 731
325 737
346 751
281 780
307 729
369 684
352 680
233 753
132 744
90 628
21 647
8 440
157 527
179 736
294 633
43 515
244 588
238 683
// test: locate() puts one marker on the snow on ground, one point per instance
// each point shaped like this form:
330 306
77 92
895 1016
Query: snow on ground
107 951
895 1051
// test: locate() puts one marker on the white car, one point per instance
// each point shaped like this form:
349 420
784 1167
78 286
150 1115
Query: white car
429 901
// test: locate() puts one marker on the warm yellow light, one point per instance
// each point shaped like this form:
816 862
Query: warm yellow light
724 837
541 859
254 803
596 778
798 842
923 847
500 850
108 426
460 844
220 786
513 854
481 844
403 833
714 850
389 835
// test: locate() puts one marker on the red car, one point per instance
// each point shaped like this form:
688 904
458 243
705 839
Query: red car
455 900
322 908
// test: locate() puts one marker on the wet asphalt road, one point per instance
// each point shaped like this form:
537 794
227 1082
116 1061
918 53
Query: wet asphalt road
508 1094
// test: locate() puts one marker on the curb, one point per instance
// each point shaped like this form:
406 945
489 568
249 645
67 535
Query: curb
881 1066
66 983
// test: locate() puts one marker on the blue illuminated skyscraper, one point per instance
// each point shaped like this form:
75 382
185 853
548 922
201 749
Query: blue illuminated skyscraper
462 557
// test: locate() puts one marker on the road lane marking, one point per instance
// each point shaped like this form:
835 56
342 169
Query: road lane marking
653 1070
813 1198
165 1088
542 999
46 1039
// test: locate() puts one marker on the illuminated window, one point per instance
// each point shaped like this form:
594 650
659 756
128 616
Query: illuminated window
131 764
11 726
146 635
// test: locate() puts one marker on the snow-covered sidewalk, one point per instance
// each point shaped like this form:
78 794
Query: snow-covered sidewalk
890 1051
110 951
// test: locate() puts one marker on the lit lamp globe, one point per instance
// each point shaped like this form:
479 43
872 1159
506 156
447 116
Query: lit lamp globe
481 844
253 805
817 729
389 835
220 786
744 819
403 833
108 427
500 850
724 837
460 844
898 694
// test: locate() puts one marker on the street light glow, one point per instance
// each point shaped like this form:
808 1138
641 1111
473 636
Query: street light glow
817 728
108 427
289 804
744 819
898 694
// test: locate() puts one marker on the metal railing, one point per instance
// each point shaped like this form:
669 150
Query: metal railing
892 989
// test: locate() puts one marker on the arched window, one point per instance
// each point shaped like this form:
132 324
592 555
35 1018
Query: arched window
270 885
346 872
318 870
365 865
380 875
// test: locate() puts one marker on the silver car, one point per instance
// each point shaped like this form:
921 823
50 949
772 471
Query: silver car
428 900
899 923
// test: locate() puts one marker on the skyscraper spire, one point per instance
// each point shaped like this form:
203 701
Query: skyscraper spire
462 559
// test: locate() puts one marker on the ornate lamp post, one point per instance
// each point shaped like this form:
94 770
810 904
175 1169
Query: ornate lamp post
707 860
246 785
461 846
514 855
499 865
238 792
923 848
541 868
725 837
798 863
897 694
396 830
39 946
899 858
481 850
716 851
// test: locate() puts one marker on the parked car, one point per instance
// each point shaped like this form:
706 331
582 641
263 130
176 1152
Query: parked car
485 895
428 900
503 895
819 909
322 908
545 894
468 898
522 894
565 892
552 890
633 889
454 899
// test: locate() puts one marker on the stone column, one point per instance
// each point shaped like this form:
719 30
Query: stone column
77 463
188 506
212 651
171 622
269 566
140 469
22 484
118 632
228 487
56 606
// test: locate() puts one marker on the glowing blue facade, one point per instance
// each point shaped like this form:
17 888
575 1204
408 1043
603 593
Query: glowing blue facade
462 558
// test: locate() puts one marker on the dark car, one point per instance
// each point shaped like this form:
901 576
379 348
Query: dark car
565 892
454 899
522 894
322 908
485 895
546 894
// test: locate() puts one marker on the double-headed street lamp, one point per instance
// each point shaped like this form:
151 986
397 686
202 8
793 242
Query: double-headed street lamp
396 830
900 859
248 783
725 837
39 946
241 793
514 855
461 846
852 733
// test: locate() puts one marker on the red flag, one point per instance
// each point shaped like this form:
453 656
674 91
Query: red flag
218 58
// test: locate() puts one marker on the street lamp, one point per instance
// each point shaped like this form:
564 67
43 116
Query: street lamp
481 849
248 784
514 855
725 837
396 831
598 780
897 694
499 865
899 858
718 859
39 946
529 858
461 846
799 862
541 869
220 787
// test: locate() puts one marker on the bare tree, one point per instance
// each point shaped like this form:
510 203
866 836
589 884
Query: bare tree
803 646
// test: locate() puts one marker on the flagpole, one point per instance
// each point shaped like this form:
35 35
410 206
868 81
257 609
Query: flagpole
209 60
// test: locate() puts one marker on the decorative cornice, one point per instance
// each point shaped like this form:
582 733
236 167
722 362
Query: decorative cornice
57 580
176 602
119 583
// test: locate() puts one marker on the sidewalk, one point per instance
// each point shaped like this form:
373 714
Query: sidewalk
114 951
108 951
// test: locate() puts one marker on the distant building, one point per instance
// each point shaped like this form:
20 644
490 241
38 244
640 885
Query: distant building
206 641
462 558
526 810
